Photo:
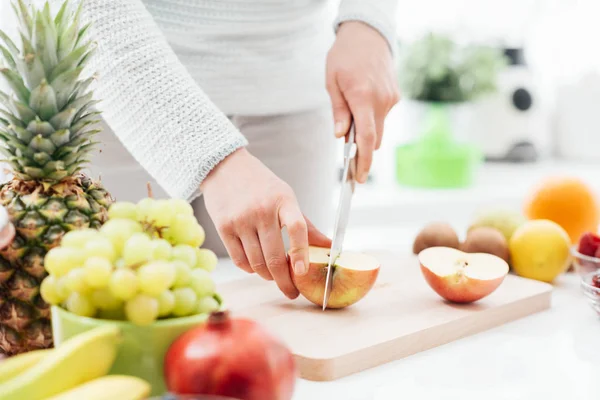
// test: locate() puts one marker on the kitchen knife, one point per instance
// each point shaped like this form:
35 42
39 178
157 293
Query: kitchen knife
343 211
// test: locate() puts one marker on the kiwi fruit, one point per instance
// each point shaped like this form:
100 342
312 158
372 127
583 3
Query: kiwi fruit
486 240
436 234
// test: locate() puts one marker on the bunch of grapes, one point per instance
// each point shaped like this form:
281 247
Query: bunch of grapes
145 263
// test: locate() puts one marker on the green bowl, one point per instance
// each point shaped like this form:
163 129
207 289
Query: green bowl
142 349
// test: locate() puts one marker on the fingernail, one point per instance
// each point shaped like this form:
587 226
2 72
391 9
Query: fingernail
339 128
300 268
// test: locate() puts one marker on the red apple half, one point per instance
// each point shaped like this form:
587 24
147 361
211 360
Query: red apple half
462 277
353 276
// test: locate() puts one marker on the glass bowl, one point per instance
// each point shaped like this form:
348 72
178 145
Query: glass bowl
584 265
590 291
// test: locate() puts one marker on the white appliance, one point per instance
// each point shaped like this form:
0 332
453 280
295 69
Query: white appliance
513 123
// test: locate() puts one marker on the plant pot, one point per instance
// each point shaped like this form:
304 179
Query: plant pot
437 157
142 349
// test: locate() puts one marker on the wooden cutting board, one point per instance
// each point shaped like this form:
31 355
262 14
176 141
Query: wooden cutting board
401 316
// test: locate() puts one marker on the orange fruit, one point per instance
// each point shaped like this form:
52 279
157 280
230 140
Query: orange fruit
569 202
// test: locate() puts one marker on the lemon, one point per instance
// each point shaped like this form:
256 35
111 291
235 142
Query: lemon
540 250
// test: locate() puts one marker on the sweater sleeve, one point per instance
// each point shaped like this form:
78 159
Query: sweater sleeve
156 109
379 14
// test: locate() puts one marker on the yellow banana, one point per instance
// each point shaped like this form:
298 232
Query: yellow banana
78 360
15 365
111 387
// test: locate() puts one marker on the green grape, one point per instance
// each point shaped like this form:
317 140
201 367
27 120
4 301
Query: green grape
122 209
123 284
142 310
183 273
185 230
202 283
181 207
185 253
101 247
105 300
207 305
166 303
185 302
161 249
117 314
49 291
97 272
145 209
80 305
162 213
76 282
119 230
60 260
207 259
120 263
137 249
61 288
77 238
156 277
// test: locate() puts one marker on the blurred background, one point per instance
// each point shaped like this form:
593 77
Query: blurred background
498 99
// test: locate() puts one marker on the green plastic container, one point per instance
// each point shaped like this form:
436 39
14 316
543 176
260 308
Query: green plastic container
437 160
142 349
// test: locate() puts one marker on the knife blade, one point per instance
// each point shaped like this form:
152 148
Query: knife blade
343 210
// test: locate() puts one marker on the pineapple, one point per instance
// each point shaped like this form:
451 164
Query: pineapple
46 126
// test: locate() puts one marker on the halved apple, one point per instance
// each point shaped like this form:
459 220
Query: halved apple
353 276
462 277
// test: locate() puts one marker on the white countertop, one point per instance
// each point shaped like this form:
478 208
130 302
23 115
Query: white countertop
552 355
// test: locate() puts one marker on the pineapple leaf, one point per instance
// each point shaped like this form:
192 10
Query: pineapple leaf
22 134
16 83
67 41
70 158
69 62
3 123
43 101
11 118
13 141
34 70
41 143
33 172
58 175
25 18
60 138
38 127
8 153
25 113
8 57
82 87
64 119
54 166
42 158
64 86
27 46
4 99
82 33
88 134
62 16
85 58
45 42
10 44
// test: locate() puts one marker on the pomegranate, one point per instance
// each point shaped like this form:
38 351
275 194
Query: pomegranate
232 357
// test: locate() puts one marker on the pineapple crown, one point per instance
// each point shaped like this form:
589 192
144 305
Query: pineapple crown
46 122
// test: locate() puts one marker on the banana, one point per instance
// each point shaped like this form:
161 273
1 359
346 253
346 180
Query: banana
15 365
78 360
111 387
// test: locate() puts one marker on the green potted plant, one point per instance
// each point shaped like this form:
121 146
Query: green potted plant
440 80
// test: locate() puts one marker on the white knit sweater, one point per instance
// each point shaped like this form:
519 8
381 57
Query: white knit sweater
171 70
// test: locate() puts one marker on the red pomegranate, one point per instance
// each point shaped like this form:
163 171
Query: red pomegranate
232 357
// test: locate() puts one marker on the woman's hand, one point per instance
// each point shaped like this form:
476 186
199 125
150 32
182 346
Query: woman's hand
249 206
362 84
